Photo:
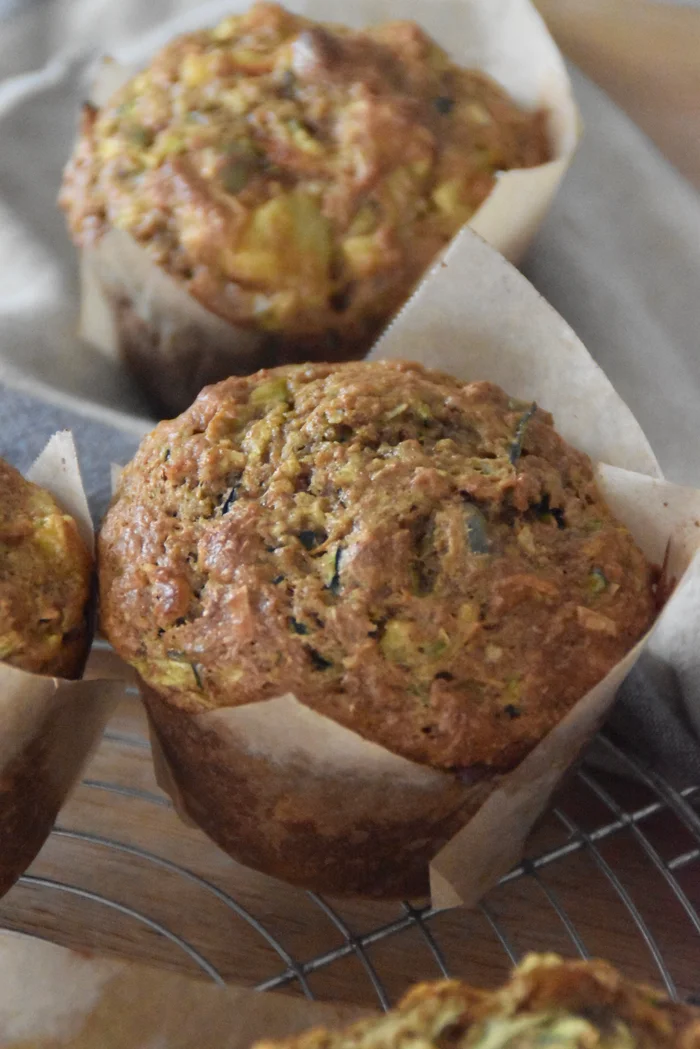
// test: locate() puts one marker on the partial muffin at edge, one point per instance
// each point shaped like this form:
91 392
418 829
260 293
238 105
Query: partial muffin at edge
547 1001
45 581
423 560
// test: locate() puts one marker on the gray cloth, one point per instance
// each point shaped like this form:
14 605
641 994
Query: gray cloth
618 258
26 424
650 721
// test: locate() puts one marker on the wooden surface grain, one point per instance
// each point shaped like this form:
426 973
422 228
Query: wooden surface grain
124 876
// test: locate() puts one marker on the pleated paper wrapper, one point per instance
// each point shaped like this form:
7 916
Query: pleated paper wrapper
133 309
289 791
48 726
53 998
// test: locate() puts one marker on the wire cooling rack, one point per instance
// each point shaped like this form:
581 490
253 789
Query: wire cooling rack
613 870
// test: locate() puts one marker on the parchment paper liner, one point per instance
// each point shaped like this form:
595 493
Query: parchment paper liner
48 726
296 795
173 345
51 997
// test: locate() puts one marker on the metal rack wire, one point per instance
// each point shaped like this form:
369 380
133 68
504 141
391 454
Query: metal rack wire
579 834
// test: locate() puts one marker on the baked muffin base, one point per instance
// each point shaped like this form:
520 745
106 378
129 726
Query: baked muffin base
29 805
333 834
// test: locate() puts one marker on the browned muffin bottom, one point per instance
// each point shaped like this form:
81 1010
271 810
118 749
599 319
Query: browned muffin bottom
547 1004
297 177
424 560
45 574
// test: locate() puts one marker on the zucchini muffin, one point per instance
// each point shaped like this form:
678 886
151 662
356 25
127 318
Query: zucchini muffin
547 1002
295 178
45 581
424 561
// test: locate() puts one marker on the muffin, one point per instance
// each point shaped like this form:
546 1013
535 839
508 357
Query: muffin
422 561
547 1001
295 179
45 581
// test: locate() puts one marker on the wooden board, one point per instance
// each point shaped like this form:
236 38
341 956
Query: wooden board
51 997
132 870
647 57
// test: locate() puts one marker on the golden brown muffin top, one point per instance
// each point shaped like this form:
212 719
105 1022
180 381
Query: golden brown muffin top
548 1002
424 560
296 175
45 577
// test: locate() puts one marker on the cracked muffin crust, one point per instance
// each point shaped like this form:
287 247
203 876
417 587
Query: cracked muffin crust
423 560
297 178
548 1002
45 580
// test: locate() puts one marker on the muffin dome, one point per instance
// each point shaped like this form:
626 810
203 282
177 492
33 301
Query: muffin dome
423 560
547 1001
295 177
45 577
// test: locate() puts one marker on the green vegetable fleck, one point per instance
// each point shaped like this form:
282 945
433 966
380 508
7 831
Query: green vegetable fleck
597 581
229 500
139 136
548 514
288 84
236 174
444 104
559 517
516 447
396 643
310 539
271 392
537 1030
334 585
477 535
176 672
434 649
319 661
